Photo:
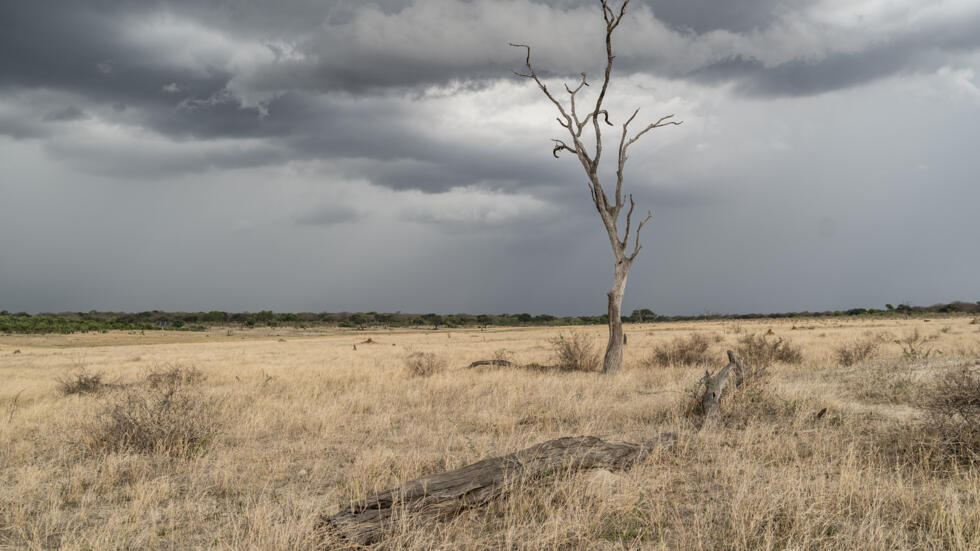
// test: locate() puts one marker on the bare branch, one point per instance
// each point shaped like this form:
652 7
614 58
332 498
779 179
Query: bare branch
629 219
661 122
570 121
560 145
637 247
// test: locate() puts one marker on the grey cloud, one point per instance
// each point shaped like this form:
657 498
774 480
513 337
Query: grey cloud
70 113
329 215
273 129
708 15
909 53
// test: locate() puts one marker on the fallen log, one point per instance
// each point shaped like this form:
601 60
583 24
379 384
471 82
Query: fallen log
714 386
449 492
493 363
507 363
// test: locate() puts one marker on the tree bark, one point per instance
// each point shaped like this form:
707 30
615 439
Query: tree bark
714 387
613 359
449 492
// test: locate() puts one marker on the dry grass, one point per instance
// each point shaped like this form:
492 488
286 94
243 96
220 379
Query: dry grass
310 423
82 382
682 351
162 414
764 351
857 351
952 404
425 364
576 351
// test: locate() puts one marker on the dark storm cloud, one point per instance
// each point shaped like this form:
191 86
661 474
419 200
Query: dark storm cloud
391 137
296 53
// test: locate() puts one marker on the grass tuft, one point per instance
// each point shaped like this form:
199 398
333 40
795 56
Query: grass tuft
760 351
425 364
82 382
575 352
164 414
682 351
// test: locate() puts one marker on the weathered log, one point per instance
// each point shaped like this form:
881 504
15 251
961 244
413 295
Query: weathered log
507 363
494 363
449 492
714 385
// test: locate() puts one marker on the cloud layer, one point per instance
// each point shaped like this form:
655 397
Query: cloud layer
310 155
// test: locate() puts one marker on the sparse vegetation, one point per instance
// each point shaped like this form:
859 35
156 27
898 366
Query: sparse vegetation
819 457
575 352
851 353
762 351
172 376
425 364
681 351
952 404
162 414
81 381
914 346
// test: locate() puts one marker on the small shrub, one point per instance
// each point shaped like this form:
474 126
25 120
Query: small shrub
849 354
174 375
914 346
502 356
952 405
758 351
692 350
576 352
424 364
81 382
160 415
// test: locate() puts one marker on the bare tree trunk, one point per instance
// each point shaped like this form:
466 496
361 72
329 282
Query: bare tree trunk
613 359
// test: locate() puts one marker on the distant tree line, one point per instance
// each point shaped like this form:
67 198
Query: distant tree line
83 322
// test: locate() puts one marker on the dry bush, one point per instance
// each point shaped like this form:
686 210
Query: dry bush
692 350
914 346
502 356
576 352
82 382
163 414
425 364
760 352
848 354
952 405
173 375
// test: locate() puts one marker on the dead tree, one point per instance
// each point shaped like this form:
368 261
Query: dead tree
609 208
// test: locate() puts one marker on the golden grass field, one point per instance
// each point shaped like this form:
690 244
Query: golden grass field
306 422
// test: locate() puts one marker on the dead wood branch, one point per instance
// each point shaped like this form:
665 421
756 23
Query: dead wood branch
449 492
508 363
714 386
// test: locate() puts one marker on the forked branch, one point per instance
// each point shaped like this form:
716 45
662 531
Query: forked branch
609 208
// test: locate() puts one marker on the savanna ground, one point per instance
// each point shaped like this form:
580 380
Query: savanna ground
290 423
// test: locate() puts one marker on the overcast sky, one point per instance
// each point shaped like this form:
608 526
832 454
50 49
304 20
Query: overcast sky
312 155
